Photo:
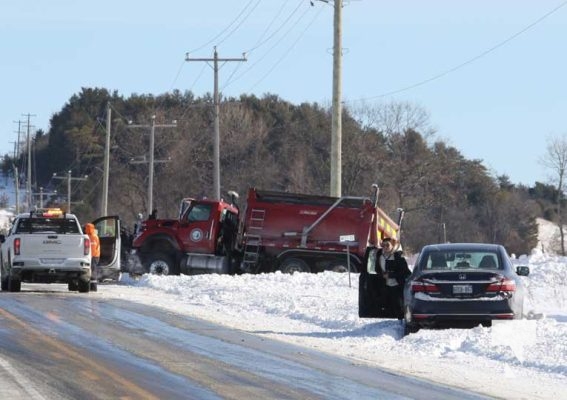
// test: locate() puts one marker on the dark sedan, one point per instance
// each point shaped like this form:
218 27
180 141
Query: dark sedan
462 285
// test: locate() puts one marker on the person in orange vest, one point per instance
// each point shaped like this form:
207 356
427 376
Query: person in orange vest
95 254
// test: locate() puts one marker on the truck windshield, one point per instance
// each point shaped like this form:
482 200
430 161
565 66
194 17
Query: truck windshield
47 225
199 212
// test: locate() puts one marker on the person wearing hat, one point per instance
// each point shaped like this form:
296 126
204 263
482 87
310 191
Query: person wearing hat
395 271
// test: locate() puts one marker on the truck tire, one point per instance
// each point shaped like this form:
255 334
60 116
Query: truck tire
160 264
292 265
342 266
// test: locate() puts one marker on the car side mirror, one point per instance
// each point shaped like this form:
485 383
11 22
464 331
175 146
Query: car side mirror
522 270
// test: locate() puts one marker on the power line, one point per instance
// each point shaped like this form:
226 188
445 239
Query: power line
240 24
284 36
469 61
284 55
279 28
224 30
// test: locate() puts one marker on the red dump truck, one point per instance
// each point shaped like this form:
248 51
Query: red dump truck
289 232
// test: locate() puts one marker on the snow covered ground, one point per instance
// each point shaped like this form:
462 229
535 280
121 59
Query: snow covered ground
525 359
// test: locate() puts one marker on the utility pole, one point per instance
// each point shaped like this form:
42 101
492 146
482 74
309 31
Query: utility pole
106 167
69 179
42 193
153 126
17 151
17 182
216 139
336 122
28 183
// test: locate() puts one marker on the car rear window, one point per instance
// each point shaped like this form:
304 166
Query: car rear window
461 260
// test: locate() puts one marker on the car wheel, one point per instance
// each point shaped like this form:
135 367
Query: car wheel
160 264
14 285
4 284
83 286
410 328
292 265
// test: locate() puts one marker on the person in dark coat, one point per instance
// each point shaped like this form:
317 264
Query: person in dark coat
394 269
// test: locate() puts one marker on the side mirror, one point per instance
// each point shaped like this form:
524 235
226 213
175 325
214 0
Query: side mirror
522 270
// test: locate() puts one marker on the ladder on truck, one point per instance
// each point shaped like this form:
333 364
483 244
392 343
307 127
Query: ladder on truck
251 253
253 241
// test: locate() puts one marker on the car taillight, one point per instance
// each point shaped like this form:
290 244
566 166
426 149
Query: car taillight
503 285
17 243
424 287
87 246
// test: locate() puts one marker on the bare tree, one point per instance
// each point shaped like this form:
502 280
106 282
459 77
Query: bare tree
394 117
556 160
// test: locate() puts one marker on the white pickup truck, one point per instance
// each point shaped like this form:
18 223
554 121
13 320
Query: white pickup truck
49 246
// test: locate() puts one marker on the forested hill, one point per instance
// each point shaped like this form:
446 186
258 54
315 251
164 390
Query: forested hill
272 144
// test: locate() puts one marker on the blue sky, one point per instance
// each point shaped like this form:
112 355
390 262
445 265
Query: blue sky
499 106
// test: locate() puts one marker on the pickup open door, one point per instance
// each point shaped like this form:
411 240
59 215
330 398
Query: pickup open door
108 229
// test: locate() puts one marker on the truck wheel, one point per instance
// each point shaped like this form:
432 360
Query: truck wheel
160 264
341 266
291 265
14 285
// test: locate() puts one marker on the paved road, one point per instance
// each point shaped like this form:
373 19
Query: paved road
55 344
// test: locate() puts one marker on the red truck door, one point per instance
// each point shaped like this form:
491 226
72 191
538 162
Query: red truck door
198 228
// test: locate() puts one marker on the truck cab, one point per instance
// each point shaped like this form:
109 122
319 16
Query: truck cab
195 242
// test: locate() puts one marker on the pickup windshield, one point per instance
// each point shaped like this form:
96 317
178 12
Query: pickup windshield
47 225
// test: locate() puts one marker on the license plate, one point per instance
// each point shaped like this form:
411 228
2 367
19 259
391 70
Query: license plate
462 289
52 260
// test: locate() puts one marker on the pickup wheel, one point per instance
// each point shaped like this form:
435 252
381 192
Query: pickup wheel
160 264
291 265
84 286
14 285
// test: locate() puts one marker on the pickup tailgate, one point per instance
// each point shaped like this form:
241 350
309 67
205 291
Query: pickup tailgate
52 246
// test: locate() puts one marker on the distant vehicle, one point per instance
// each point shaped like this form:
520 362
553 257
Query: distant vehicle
462 285
49 246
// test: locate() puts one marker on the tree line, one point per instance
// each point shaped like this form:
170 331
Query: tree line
270 143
